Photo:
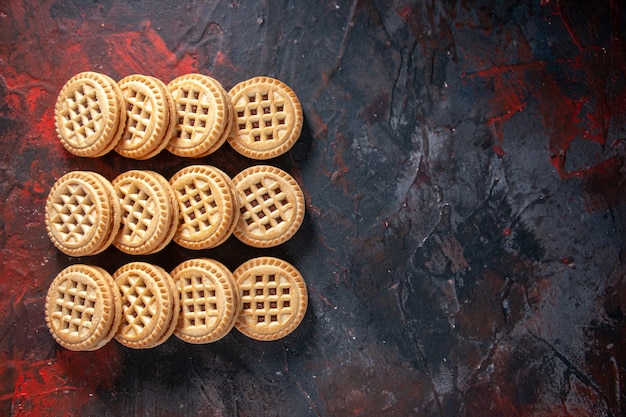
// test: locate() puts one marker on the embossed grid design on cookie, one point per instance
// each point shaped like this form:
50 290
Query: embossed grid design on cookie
139 113
139 304
193 114
82 114
261 116
74 307
199 302
138 207
267 299
89 114
74 213
266 206
198 206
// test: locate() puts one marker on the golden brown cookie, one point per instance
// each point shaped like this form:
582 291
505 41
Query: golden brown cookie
273 298
148 116
83 307
268 118
81 213
116 212
172 122
117 301
272 206
148 213
209 300
90 113
173 227
150 305
207 209
234 195
228 114
202 115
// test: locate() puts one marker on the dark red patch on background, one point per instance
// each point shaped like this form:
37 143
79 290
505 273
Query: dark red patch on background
73 378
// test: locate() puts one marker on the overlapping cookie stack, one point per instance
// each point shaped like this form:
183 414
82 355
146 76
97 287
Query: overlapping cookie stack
140 212
141 305
192 116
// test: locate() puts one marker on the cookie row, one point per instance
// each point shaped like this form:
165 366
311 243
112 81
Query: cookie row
200 301
140 211
192 116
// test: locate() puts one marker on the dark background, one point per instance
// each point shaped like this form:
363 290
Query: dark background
464 171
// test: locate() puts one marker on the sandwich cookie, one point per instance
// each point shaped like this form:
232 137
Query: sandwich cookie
150 117
273 298
149 213
209 208
150 305
209 300
267 118
272 206
82 213
83 307
90 114
202 115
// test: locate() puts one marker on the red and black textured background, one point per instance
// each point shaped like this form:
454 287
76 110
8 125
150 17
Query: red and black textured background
464 244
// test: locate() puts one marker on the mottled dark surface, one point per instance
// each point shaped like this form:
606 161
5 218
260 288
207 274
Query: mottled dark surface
465 177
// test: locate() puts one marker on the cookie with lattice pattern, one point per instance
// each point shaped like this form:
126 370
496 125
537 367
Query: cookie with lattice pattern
209 300
90 114
267 119
272 206
82 213
234 195
83 307
116 211
202 115
206 205
273 298
228 114
148 116
150 305
173 202
148 212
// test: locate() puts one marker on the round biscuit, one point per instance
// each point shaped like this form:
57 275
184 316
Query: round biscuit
267 118
82 307
147 212
201 110
206 206
149 304
80 214
88 114
148 116
272 206
209 300
273 298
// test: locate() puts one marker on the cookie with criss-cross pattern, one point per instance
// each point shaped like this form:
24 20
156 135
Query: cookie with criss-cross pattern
272 206
202 115
82 213
267 118
209 300
273 298
149 213
150 305
83 307
208 206
150 117
90 114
